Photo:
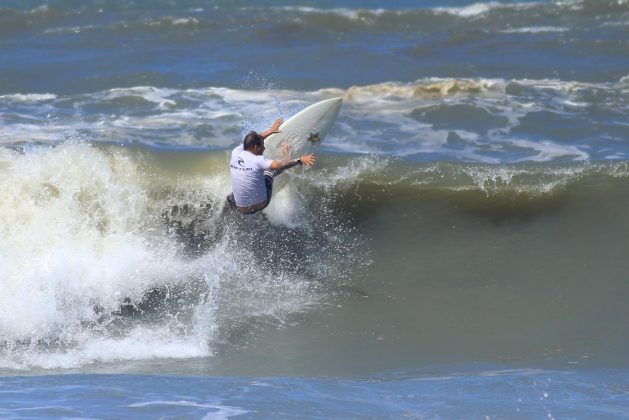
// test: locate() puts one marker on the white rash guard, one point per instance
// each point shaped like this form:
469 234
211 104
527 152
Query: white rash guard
247 173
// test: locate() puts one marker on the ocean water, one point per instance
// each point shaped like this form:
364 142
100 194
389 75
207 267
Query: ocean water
458 251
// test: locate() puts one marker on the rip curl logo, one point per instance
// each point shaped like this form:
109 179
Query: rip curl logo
241 165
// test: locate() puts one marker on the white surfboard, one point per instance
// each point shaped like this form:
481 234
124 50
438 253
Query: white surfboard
303 133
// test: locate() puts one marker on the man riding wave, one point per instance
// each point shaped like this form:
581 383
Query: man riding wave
252 174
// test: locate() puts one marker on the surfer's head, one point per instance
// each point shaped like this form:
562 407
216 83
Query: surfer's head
254 143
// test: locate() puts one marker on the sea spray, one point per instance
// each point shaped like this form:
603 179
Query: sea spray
113 254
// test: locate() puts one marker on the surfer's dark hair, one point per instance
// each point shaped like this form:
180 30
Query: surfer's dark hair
251 140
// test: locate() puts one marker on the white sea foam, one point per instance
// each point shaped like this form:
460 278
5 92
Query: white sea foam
61 217
429 87
535 30
69 231
218 116
478 9
615 24
364 14
493 179
219 409
286 207
345 176
548 151
142 343
81 233
351 14
149 93
173 21
70 29
225 413
40 9
471 10
185 21
29 98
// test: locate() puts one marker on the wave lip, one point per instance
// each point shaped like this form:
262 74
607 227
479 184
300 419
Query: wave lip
431 87
519 181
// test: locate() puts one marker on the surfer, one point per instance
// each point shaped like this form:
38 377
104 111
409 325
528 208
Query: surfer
252 174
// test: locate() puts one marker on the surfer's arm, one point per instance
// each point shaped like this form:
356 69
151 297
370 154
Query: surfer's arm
278 165
275 128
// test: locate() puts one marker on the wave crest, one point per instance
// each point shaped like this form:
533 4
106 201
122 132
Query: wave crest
427 88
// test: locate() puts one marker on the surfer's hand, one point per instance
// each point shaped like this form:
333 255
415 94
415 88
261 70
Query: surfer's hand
308 160
275 128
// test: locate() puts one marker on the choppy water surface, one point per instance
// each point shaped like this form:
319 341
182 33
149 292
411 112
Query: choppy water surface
515 394
459 247
77 46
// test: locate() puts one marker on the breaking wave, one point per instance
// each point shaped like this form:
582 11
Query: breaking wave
105 257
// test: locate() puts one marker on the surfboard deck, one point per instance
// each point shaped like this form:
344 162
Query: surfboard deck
304 131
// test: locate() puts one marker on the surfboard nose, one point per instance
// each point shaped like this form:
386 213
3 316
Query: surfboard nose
333 103
332 106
